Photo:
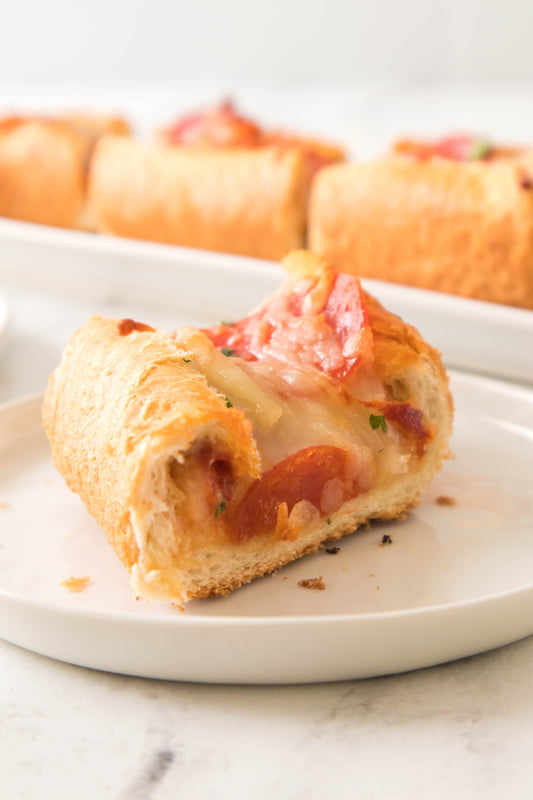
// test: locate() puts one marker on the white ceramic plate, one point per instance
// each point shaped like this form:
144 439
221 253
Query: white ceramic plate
455 581
472 335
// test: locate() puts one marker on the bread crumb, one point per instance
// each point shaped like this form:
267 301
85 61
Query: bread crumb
4 504
313 583
179 607
76 584
446 500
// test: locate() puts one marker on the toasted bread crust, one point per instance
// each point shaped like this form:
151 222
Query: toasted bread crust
43 166
460 228
42 172
136 396
243 201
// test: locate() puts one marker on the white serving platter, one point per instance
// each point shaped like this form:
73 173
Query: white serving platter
456 580
472 335
4 319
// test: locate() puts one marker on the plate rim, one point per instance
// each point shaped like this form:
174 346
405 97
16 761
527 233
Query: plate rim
263 621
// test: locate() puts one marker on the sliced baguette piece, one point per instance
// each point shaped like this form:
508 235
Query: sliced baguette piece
44 163
164 437
42 172
244 201
448 226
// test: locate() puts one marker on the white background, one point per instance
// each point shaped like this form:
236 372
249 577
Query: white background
139 41
359 72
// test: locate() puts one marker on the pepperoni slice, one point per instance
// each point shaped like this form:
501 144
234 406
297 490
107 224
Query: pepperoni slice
301 476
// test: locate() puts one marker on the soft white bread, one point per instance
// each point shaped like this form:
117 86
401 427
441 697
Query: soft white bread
150 431
244 201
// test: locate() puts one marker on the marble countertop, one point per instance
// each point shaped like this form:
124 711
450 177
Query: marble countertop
462 730
459 730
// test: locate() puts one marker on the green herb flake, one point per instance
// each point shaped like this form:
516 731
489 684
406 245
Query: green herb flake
329 521
225 322
226 351
229 404
221 506
480 149
187 360
378 421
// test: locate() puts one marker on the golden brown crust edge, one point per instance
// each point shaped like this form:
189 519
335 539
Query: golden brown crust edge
42 173
43 166
459 228
244 201
115 403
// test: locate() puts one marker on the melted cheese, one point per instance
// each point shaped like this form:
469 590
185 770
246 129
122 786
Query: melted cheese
292 408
